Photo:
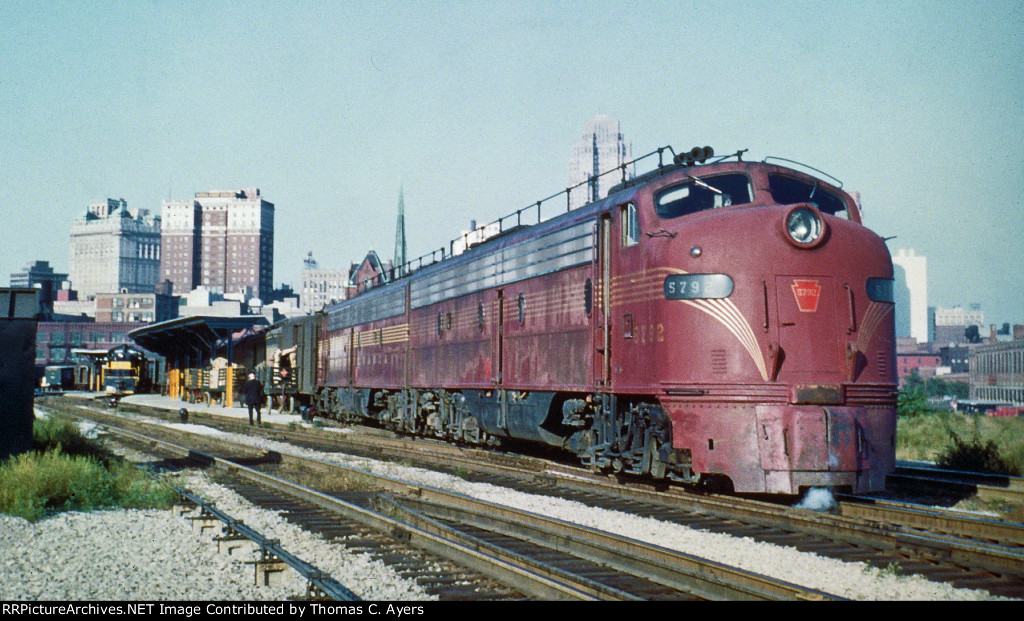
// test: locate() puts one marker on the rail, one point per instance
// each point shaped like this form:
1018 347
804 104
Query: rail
527 580
320 583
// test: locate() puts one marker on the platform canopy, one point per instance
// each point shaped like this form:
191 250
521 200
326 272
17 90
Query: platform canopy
189 342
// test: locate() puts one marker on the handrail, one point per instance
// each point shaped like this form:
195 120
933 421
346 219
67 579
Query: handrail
839 184
406 269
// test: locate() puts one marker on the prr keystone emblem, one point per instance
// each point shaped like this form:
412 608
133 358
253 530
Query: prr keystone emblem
807 293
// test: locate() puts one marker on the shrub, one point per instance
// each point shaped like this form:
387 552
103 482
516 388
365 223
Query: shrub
33 485
51 433
913 402
973 454
959 441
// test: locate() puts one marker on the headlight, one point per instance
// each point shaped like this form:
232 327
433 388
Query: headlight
805 226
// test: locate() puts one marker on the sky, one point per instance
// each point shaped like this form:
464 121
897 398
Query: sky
470 109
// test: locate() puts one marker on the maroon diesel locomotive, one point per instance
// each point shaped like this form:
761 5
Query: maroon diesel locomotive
713 320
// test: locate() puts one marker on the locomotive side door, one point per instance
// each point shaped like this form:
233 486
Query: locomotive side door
497 336
498 359
602 302
351 353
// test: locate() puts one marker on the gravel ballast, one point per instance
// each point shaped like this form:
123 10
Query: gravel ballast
154 555
23 546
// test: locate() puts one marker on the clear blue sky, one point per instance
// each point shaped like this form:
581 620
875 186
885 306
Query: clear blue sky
329 107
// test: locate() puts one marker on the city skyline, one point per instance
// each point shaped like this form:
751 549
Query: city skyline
471 109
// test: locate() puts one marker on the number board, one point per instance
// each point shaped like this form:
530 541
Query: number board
880 289
697 286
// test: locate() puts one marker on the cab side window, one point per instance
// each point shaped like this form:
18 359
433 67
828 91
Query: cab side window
630 226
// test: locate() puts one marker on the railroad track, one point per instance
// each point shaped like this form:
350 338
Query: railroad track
272 557
918 479
583 564
967 552
436 575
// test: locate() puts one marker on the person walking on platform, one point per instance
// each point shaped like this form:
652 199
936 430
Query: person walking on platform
252 391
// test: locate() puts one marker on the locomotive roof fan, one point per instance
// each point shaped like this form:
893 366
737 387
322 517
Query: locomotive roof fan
696 155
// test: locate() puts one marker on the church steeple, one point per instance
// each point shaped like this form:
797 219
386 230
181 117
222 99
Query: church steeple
400 247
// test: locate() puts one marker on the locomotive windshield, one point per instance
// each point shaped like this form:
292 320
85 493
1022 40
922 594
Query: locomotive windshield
704 193
787 190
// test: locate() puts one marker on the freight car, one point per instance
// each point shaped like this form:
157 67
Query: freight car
712 321
289 371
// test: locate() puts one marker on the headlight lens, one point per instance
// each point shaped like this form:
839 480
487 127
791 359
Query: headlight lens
804 226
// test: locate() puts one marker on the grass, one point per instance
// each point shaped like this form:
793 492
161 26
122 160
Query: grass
67 472
963 442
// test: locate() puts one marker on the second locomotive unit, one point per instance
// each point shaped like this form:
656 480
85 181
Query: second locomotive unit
713 321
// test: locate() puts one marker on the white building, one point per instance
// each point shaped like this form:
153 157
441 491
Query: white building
321 287
599 149
951 324
114 249
474 236
960 316
911 295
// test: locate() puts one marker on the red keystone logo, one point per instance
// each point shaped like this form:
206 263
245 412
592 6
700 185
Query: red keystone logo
806 293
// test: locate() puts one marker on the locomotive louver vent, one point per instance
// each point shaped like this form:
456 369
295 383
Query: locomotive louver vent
882 366
718 361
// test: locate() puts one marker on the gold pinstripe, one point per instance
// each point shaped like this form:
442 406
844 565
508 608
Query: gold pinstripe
625 289
632 289
383 336
726 313
873 318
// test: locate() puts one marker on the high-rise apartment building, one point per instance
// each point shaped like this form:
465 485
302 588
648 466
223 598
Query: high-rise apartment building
220 240
114 249
600 148
911 295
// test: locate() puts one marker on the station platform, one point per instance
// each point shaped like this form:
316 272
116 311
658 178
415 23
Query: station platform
171 404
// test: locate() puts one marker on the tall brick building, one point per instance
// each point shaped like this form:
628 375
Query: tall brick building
220 240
